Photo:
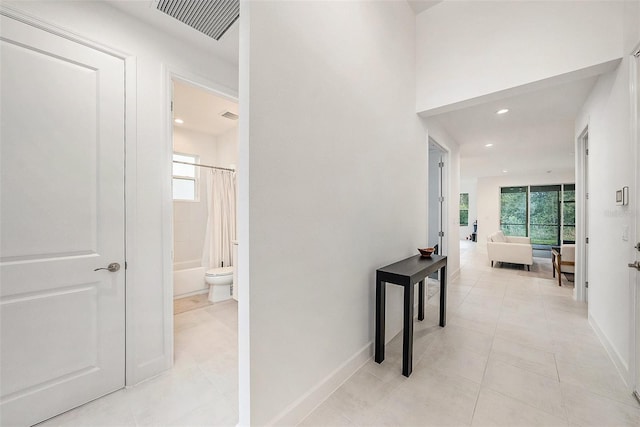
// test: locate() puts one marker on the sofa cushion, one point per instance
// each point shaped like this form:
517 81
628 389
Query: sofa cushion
499 237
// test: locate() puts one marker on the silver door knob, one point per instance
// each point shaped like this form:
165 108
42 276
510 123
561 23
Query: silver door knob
635 265
113 267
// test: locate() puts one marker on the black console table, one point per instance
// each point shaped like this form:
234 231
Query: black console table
407 273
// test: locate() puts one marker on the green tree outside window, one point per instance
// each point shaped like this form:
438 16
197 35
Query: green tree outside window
464 208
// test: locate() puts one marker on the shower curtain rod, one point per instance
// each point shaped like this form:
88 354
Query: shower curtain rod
204 166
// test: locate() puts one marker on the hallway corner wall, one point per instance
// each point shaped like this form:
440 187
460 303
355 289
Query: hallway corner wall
337 188
607 114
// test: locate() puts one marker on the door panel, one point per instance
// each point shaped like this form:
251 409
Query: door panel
62 216
43 159
636 279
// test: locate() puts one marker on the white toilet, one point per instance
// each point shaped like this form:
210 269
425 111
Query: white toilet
220 280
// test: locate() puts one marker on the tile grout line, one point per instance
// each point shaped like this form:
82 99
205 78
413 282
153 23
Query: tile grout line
486 364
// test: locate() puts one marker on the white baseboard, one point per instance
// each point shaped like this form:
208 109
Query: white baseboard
301 408
621 366
190 294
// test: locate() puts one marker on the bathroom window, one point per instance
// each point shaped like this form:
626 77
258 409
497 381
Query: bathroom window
185 177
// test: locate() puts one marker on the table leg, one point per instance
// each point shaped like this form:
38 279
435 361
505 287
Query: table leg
421 299
443 295
380 320
407 333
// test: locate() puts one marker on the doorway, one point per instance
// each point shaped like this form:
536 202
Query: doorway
582 232
204 155
437 200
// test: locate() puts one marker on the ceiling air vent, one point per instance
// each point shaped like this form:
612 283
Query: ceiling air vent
230 115
211 17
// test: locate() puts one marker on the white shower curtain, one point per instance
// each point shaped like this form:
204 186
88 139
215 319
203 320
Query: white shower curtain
221 222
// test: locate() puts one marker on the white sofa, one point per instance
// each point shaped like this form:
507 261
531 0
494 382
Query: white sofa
511 249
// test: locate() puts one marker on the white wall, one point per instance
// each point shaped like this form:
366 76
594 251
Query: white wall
227 149
489 197
337 188
611 167
505 44
469 186
149 343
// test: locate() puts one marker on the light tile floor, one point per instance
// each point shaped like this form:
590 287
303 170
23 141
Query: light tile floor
201 389
189 303
517 351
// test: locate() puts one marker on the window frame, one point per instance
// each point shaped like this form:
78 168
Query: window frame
568 188
195 159
516 189
466 210
562 202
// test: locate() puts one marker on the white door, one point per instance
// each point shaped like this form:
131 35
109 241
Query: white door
61 217
636 325
587 204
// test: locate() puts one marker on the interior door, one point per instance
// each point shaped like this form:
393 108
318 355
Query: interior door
586 217
441 206
636 326
436 196
62 217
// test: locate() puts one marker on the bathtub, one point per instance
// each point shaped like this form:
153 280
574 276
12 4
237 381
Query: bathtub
188 279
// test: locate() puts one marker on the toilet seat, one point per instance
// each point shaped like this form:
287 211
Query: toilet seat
220 271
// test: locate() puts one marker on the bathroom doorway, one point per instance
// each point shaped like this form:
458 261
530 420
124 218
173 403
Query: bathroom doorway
204 134
204 158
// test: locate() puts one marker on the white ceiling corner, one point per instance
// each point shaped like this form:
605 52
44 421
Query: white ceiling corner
201 110
227 48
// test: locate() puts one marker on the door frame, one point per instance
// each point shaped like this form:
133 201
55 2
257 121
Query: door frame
445 193
634 277
579 293
130 149
170 74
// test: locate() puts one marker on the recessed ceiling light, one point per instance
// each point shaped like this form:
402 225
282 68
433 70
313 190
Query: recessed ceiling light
179 121
488 145
504 171
502 111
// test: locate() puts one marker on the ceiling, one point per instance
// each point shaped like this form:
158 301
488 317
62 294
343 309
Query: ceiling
201 110
226 48
535 136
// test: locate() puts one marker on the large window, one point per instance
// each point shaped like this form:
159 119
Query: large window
185 177
569 214
513 211
464 208
546 213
